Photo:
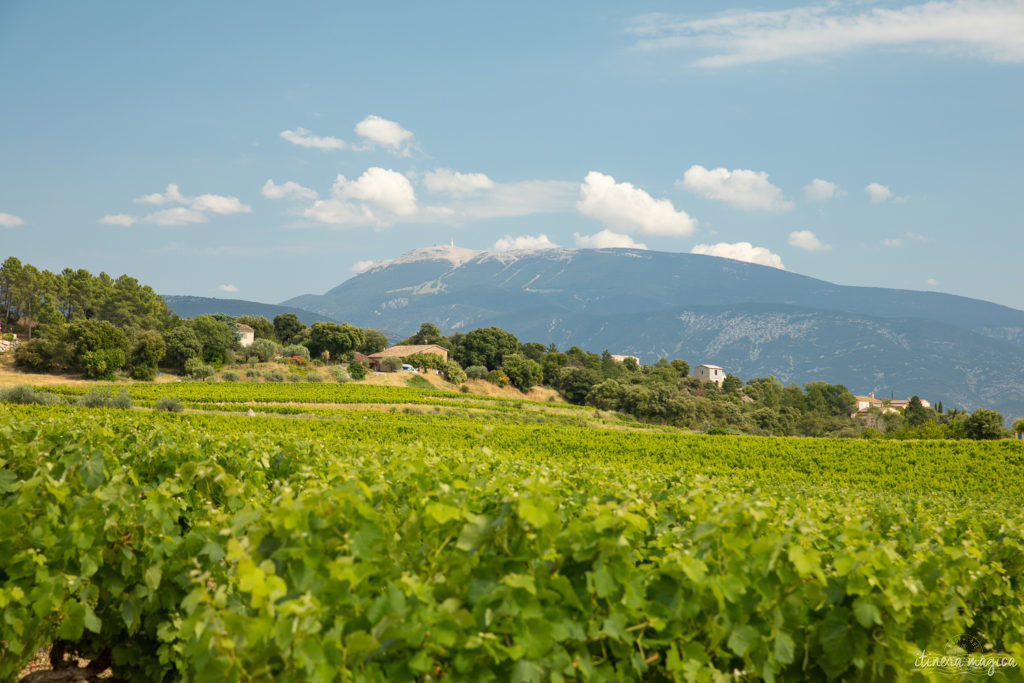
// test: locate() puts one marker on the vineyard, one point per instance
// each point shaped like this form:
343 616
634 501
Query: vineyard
490 539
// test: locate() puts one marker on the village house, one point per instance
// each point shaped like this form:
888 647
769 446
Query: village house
246 333
709 373
374 359
898 405
619 358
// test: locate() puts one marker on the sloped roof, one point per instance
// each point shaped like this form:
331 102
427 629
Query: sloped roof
242 327
409 350
708 365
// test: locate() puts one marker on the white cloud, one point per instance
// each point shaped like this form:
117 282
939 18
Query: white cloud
741 251
917 237
289 190
807 240
606 239
170 196
384 132
453 182
742 188
216 203
878 193
340 212
932 281
9 220
819 190
628 208
305 138
361 266
121 219
179 215
227 288
892 242
985 29
387 189
509 243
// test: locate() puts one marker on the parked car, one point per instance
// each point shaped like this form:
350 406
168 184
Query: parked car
408 368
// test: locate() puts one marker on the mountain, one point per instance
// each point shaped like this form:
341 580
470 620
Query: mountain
751 319
191 306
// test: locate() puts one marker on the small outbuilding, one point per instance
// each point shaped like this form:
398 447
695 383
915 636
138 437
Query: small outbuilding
709 373
246 334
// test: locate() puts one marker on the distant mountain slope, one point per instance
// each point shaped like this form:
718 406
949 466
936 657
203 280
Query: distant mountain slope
191 306
751 319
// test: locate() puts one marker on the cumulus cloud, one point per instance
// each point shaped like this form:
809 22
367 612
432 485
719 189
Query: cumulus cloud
305 138
390 190
628 208
361 266
741 251
385 133
191 209
340 212
216 203
878 193
742 188
819 190
170 196
288 190
984 29
509 243
121 219
9 220
807 240
179 215
227 288
606 239
453 182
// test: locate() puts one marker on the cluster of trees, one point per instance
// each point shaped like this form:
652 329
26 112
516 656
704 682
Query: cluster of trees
74 321
665 393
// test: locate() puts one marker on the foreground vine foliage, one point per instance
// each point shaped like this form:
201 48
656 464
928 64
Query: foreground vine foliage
398 547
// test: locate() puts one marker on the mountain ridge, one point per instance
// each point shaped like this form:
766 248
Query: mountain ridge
752 319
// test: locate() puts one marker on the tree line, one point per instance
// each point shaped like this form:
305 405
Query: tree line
77 322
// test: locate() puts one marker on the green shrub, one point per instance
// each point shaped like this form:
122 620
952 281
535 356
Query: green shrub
476 372
498 378
261 349
454 372
168 403
391 363
203 371
295 377
314 377
464 389
144 373
253 374
25 395
273 376
102 363
191 364
357 370
230 376
105 398
295 350
340 375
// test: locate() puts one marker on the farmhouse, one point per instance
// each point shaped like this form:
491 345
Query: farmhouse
709 373
884 404
374 359
247 334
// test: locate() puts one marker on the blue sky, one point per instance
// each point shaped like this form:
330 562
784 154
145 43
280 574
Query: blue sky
264 150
